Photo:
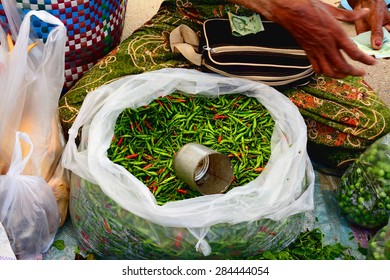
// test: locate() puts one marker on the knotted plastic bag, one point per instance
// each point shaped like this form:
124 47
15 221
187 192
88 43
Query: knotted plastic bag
364 192
28 208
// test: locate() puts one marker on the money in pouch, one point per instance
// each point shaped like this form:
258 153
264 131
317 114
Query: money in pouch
243 25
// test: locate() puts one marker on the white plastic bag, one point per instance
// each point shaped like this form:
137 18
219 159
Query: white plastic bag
280 191
28 208
31 83
31 87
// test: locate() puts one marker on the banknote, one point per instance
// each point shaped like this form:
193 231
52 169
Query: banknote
244 25
363 41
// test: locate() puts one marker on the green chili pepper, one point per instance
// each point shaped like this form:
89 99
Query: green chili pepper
229 124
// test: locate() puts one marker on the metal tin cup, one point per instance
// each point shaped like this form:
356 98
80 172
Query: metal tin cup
203 169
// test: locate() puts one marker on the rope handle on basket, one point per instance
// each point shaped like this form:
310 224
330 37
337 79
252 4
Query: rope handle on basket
184 40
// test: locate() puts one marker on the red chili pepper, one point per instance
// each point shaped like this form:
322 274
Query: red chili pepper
182 191
148 157
138 127
152 185
180 100
263 228
103 239
85 236
218 117
219 139
106 226
161 171
120 141
195 127
258 169
237 253
147 166
179 238
148 125
131 156
160 103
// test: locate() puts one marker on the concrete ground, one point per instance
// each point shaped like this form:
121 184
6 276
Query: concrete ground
378 76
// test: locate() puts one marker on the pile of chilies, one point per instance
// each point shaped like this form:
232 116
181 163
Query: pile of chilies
146 139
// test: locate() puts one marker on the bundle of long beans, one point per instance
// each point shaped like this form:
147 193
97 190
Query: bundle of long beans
146 139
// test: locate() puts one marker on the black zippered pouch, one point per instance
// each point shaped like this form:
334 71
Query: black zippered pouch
271 56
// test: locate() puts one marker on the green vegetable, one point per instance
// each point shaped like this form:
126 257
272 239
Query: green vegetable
59 244
379 244
309 245
147 138
364 192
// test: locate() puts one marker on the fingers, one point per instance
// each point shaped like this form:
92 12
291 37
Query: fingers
327 65
345 15
336 66
361 26
355 53
331 61
376 19
376 38
323 67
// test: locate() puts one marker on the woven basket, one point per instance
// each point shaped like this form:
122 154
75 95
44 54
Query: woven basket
94 28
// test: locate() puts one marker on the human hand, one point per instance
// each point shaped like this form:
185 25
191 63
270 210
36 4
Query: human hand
314 24
378 18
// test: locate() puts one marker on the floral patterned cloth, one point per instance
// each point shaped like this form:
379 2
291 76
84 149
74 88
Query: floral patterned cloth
343 116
